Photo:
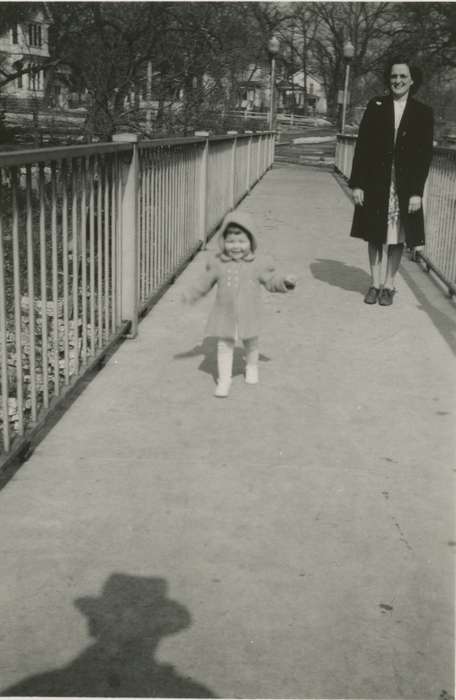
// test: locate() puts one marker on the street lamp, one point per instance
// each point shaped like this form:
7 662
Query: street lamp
273 48
349 52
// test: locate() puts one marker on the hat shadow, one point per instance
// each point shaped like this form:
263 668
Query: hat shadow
126 622
338 274
208 349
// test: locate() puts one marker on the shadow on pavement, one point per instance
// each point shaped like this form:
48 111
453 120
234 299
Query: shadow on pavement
127 622
208 348
445 323
338 274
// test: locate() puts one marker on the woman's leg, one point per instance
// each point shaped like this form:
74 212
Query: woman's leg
251 360
375 251
392 264
225 352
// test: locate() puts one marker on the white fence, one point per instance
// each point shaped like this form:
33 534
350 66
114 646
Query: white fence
89 237
439 204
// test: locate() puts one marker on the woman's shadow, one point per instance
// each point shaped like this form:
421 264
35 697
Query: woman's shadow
208 349
338 274
127 623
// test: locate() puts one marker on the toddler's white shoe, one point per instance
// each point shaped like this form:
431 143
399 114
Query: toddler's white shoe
251 374
222 389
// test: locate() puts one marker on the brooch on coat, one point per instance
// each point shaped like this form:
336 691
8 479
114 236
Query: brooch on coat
378 103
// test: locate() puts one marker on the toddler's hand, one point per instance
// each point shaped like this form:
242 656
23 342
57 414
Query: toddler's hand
290 281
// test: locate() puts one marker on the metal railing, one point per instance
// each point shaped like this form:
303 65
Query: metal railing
90 236
439 204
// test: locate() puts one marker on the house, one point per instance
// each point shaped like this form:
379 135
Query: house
22 46
254 92
297 97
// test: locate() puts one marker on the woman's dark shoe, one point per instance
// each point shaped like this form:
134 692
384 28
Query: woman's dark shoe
372 295
386 297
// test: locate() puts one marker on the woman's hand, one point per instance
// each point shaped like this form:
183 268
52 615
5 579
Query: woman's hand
358 197
414 204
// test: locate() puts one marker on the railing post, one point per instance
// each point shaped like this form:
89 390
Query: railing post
129 236
249 162
259 148
233 169
203 188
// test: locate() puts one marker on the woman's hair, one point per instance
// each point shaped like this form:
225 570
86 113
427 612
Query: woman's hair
240 229
415 72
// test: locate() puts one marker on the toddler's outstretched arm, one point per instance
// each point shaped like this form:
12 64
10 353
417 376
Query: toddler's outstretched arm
274 281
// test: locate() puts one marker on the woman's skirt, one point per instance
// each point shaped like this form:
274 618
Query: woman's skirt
395 230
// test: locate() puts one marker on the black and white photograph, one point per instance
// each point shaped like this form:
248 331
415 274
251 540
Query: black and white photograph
227 349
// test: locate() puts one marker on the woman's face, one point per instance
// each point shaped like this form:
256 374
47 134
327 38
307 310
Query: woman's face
400 79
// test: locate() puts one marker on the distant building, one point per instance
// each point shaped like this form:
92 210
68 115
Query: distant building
254 92
309 98
26 45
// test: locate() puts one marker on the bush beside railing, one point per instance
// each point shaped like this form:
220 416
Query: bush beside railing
439 204
89 237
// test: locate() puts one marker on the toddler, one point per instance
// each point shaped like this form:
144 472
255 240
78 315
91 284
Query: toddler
238 273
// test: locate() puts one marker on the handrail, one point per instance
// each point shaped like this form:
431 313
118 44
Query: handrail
33 155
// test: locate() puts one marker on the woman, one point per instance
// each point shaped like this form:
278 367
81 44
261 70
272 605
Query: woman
391 163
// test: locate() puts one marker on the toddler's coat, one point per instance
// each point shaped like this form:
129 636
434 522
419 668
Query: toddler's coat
237 309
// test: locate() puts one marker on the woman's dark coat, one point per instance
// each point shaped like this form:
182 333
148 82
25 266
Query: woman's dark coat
373 161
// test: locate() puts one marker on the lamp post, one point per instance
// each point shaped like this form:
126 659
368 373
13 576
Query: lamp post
349 52
273 48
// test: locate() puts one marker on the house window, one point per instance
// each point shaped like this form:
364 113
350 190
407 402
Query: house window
311 88
20 82
34 81
14 37
35 35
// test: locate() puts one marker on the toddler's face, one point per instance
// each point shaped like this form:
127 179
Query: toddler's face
237 243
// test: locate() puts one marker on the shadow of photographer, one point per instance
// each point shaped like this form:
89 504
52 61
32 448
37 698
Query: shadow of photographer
127 622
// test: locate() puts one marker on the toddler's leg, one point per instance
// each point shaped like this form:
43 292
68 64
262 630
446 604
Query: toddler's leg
225 352
251 360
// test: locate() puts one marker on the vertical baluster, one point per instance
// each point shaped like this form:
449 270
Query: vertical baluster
55 280
43 278
452 205
65 252
159 214
17 303
92 253
147 213
182 197
75 260
31 292
155 209
83 202
152 219
106 244
3 333
448 231
172 228
166 212
113 243
142 214
99 255
119 234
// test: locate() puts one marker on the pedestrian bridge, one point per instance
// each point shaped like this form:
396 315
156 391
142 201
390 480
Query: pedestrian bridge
293 540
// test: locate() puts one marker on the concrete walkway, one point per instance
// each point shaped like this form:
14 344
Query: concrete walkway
294 540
